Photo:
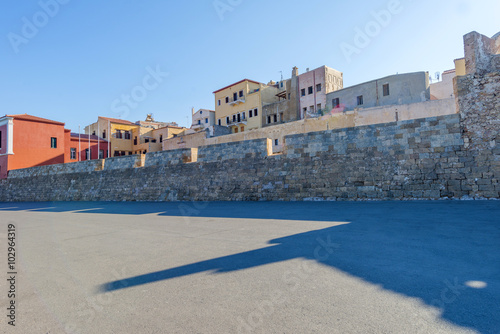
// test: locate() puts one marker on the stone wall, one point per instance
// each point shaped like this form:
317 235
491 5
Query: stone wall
68 168
416 159
234 151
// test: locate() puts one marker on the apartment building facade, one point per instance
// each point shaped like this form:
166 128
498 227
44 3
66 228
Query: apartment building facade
239 106
28 141
391 90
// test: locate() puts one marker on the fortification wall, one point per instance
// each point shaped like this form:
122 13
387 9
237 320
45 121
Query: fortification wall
416 159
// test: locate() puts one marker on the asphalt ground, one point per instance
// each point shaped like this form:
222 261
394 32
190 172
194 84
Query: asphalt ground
263 267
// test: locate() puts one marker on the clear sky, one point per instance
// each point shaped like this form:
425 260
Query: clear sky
74 60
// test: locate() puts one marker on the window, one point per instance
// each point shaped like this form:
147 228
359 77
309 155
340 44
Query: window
311 108
201 112
256 112
101 154
275 118
135 140
220 122
227 99
227 120
234 118
336 102
72 152
310 90
304 110
53 142
206 120
318 107
119 134
268 119
122 153
276 142
153 140
241 93
127 135
289 96
318 87
199 121
242 129
235 96
386 89
360 100
0 139
303 92
87 154
243 115
104 134
250 113
116 154
161 138
218 102
146 140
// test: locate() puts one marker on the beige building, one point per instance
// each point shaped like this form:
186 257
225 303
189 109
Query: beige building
239 105
302 96
118 132
127 138
202 119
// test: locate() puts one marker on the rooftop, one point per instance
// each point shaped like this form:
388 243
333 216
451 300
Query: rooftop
85 137
26 117
118 121
236 83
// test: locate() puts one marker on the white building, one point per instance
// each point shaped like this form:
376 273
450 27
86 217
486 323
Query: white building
202 119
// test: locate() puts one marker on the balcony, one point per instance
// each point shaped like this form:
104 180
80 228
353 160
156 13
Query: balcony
237 122
197 126
238 100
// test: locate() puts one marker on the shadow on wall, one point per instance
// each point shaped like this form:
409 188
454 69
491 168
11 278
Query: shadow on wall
428 250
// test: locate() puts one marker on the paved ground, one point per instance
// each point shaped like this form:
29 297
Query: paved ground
410 267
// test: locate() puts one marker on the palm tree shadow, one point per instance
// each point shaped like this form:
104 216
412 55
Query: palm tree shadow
450 259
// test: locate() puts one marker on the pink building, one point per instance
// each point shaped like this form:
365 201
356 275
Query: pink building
314 86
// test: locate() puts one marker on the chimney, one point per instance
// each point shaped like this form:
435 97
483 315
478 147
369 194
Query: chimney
295 71
192 111
307 69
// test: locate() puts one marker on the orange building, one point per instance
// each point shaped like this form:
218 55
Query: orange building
28 141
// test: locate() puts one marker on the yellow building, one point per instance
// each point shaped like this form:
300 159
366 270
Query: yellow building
117 131
127 138
151 139
460 67
239 105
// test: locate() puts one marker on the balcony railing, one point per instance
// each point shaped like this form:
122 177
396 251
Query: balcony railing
238 100
237 122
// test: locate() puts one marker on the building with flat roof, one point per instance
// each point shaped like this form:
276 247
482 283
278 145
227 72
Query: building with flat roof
239 106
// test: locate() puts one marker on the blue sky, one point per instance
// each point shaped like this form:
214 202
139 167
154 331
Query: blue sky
75 60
